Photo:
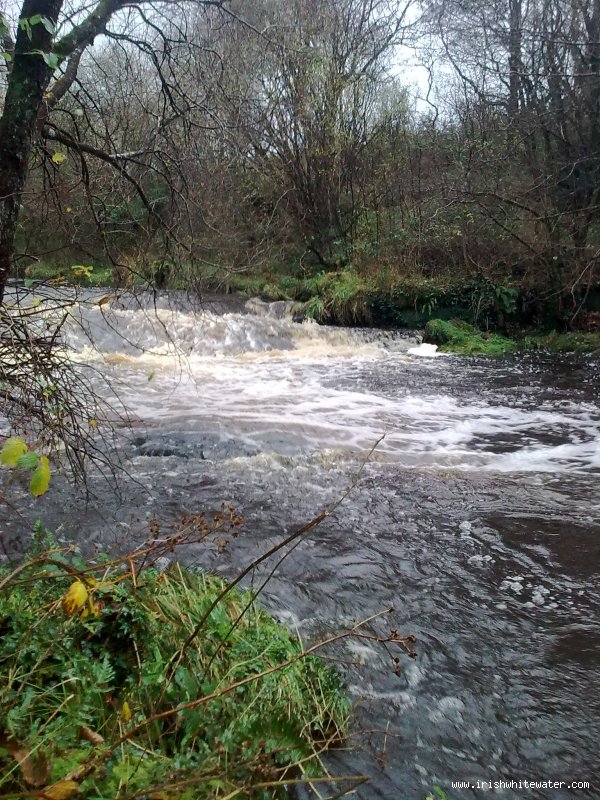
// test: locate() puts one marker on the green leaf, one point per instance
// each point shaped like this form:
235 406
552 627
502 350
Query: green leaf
58 158
6 56
51 59
28 283
48 24
14 447
28 461
40 479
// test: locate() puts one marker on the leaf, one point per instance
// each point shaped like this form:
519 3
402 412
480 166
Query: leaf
88 735
58 158
25 25
95 609
75 598
125 712
40 479
81 270
61 790
51 59
6 56
27 461
34 767
48 24
14 447
28 283
104 300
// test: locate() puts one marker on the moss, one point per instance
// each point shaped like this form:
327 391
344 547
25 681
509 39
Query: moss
461 338
72 685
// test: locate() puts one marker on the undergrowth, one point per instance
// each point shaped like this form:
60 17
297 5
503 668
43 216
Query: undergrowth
82 275
118 680
464 339
555 342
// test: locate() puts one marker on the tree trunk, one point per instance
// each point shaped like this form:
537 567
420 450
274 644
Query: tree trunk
514 58
28 80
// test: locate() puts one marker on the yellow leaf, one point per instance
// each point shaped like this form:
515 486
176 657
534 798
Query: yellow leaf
68 209
81 270
93 423
58 158
125 712
40 477
13 449
91 608
75 598
61 790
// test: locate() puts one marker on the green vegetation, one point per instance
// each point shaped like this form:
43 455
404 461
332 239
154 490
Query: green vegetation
118 680
16 455
464 339
82 274
563 342
382 297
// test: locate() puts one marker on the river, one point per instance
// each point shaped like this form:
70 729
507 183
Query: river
476 516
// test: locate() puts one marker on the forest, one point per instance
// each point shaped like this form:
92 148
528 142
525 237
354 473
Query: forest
388 161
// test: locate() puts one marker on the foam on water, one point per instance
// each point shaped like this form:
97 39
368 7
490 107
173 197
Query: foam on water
269 379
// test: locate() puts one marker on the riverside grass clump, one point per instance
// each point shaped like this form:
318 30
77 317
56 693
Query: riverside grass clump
118 680
570 342
461 338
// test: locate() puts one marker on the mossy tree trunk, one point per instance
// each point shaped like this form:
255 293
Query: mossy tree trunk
28 80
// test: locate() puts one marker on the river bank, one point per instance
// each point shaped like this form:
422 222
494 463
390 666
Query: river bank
471 315
130 675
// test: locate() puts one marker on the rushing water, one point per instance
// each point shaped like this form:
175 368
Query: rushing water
476 516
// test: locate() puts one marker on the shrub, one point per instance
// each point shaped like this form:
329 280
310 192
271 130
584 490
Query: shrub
119 680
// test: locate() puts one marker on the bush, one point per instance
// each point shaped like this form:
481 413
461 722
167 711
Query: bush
119 680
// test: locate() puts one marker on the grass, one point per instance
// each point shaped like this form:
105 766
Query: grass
105 692
555 342
464 339
91 276
343 297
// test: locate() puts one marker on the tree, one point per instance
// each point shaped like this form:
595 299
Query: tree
43 62
311 111
529 119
